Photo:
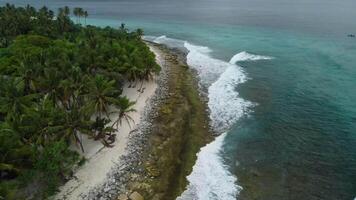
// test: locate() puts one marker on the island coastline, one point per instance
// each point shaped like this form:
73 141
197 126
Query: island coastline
129 166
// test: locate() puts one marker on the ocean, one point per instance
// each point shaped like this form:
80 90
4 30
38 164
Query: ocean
280 76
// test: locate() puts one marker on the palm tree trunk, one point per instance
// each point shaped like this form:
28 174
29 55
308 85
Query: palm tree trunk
78 141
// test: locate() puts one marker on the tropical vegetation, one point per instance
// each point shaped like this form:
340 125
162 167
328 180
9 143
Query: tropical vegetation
58 80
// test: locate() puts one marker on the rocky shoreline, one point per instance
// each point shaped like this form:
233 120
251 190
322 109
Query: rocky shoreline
179 129
161 151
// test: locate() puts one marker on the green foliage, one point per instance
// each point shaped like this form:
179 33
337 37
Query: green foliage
125 107
20 21
15 154
53 162
54 76
101 94
13 100
8 190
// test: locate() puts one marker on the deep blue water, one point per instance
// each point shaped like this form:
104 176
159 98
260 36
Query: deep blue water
299 140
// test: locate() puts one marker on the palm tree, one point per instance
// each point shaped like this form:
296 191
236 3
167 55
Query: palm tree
28 73
66 10
133 73
63 17
145 75
79 12
76 122
14 153
67 90
42 122
125 106
76 12
60 12
101 94
49 83
139 33
31 11
85 14
13 101
103 132
123 28
44 11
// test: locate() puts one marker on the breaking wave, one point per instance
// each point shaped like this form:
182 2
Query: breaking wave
210 178
244 56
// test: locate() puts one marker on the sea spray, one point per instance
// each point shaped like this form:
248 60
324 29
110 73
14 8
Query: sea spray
169 42
244 56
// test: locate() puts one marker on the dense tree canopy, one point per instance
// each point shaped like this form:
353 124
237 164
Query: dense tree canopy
56 75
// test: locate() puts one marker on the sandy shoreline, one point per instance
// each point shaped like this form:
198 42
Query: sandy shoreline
98 173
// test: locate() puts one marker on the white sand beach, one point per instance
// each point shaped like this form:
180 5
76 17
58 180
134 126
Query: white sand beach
101 160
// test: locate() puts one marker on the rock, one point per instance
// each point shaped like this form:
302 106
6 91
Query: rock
122 197
134 176
152 170
136 196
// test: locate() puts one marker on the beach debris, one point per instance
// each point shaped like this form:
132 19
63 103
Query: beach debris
136 196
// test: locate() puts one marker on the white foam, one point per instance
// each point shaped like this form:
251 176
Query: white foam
221 78
244 56
225 105
155 39
149 38
170 42
208 68
160 39
209 179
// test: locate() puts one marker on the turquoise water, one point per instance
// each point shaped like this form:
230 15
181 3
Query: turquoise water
299 142
297 139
